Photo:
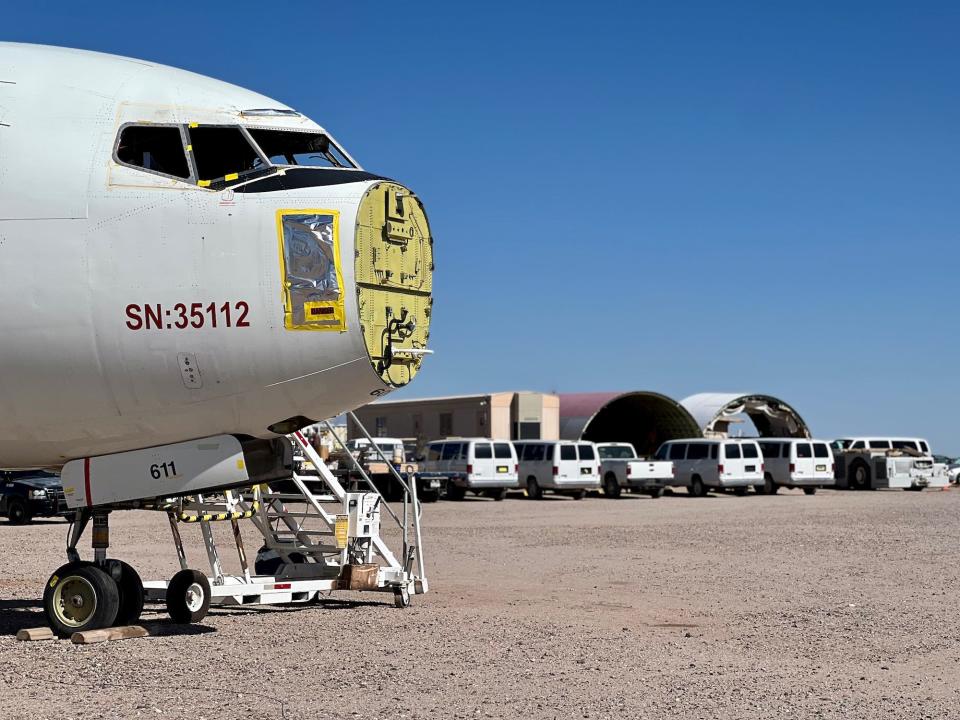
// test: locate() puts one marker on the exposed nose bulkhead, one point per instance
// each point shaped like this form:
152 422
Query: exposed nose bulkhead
394 276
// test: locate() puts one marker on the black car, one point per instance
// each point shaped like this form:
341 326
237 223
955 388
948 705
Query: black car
27 494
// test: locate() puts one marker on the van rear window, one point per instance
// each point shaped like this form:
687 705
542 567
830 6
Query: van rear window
732 451
586 452
749 450
879 444
501 451
803 450
482 451
820 450
568 452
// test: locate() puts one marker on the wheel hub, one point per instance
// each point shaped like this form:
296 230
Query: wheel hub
194 597
74 601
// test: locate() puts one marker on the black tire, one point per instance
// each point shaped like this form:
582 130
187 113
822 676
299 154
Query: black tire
578 494
534 491
429 496
859 476
611 486
188 596
80 596
697 488
769 486
498 494
809 491
655 493
401 598
130 589
740 491
916 488
18 511
455 492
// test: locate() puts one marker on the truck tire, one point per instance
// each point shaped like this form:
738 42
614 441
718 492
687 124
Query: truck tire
740 491
655 493
697 488
809 491
611 486
455 492
859 476
18 511
578 494
498 494
534 492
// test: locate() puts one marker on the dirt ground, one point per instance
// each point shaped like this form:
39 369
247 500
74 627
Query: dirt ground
840 605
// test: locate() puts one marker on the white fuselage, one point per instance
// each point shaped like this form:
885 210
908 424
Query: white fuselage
105 267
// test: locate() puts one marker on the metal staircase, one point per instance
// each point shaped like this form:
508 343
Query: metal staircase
317 538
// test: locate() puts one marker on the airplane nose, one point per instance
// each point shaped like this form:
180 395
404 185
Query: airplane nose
394 276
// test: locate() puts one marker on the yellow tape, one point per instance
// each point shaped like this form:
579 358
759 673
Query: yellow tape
189 148
336 321
231 176
193 125
203 183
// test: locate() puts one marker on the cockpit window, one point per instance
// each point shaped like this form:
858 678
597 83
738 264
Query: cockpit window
222 154
155 148
284 147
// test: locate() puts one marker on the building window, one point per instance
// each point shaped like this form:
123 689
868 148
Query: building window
446 424
381 426
526 431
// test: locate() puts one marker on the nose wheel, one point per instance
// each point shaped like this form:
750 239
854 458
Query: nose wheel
80 596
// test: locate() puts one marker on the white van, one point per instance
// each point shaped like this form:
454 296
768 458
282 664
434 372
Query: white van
795 463
563 466
701 464
480 465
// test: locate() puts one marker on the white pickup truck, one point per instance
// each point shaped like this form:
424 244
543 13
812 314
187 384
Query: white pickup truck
621 468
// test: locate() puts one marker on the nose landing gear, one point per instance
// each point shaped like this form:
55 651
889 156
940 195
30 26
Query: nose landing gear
83 595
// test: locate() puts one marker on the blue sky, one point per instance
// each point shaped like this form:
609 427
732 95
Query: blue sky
679 197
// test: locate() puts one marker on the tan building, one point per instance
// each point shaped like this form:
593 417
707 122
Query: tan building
504 415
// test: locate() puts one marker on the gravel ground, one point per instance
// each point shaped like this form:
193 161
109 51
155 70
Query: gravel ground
839 605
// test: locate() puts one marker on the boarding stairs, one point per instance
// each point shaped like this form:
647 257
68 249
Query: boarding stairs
303 522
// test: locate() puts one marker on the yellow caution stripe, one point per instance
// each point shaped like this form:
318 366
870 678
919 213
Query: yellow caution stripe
219 517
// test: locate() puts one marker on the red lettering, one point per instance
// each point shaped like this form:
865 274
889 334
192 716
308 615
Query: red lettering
153 314
134 322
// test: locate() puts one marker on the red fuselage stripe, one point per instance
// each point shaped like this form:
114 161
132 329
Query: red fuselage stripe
86 480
